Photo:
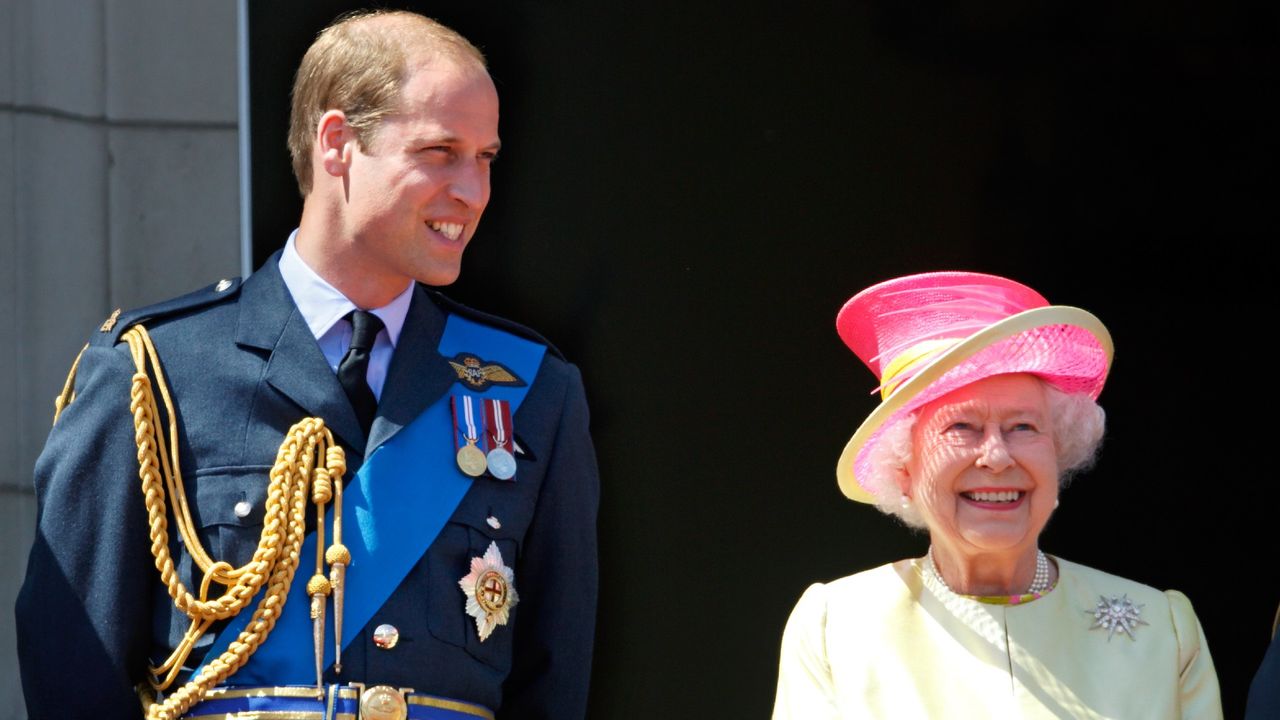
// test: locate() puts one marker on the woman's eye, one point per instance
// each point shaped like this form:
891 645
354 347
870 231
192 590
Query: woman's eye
1024 427
960 427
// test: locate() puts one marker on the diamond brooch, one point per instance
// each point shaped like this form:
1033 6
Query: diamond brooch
1116 614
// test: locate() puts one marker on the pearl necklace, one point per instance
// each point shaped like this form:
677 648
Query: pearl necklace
1039 583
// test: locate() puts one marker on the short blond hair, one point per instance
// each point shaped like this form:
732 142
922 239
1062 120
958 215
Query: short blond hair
357 65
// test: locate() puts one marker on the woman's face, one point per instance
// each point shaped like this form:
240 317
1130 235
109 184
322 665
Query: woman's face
984 471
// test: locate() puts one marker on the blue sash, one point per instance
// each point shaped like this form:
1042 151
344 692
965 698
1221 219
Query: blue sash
418 486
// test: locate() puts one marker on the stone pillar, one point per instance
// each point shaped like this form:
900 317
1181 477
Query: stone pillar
118 187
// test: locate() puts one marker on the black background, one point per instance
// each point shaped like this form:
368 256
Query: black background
686 196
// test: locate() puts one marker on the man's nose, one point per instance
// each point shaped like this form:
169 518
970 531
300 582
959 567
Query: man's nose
470 186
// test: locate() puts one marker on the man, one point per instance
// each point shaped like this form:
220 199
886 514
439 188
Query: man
467 581
1264 691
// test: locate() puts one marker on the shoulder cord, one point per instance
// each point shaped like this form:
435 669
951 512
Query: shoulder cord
68 394
308 459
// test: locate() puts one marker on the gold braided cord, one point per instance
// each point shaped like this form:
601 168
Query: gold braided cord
307 455
68 394
338 556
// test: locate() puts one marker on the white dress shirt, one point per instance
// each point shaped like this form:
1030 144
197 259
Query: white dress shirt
325 309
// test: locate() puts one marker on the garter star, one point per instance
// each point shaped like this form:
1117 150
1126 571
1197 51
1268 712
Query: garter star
490 591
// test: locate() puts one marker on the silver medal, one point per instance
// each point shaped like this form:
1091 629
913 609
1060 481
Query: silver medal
502 464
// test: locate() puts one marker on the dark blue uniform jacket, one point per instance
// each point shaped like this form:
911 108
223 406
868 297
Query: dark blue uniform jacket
1264 692
243 367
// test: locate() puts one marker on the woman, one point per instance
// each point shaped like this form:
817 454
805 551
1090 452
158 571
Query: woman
988 403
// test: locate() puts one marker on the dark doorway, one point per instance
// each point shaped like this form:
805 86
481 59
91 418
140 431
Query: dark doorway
687 195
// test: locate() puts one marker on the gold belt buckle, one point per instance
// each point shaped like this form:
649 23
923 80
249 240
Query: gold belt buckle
383 702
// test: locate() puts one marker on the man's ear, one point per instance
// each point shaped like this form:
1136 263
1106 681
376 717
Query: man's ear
335 140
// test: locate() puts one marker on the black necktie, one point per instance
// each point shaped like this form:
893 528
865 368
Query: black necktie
354 369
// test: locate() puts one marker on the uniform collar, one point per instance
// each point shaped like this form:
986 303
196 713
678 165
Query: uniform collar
322 305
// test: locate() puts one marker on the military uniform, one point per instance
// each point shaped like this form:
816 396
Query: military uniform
1264 691
242 367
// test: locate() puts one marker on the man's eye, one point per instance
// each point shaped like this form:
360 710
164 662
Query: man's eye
489 157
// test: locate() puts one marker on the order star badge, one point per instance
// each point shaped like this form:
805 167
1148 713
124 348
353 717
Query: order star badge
1116 614
490 591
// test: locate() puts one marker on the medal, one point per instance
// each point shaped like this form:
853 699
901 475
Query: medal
471 459
490 591
497 415
502 464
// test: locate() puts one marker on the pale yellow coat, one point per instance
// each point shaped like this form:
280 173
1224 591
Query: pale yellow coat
893 643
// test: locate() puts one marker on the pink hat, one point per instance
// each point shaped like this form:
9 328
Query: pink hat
929 334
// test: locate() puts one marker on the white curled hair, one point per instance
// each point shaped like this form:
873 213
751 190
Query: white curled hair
1078 425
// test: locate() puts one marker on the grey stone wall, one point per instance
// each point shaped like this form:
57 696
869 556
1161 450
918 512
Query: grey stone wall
118 187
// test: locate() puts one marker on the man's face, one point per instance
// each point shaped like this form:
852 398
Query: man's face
415 194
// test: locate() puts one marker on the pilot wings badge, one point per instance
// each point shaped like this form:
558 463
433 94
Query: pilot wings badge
480 374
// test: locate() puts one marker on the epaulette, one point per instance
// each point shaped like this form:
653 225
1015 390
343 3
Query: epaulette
501 323
114 326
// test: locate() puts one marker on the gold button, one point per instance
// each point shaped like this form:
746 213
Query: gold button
222 285
243 508
382 702
386 636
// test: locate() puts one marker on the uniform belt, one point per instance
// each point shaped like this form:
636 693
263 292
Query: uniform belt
354 701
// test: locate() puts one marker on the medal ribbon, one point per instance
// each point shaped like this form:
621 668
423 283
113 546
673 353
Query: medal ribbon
466 432
497 416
